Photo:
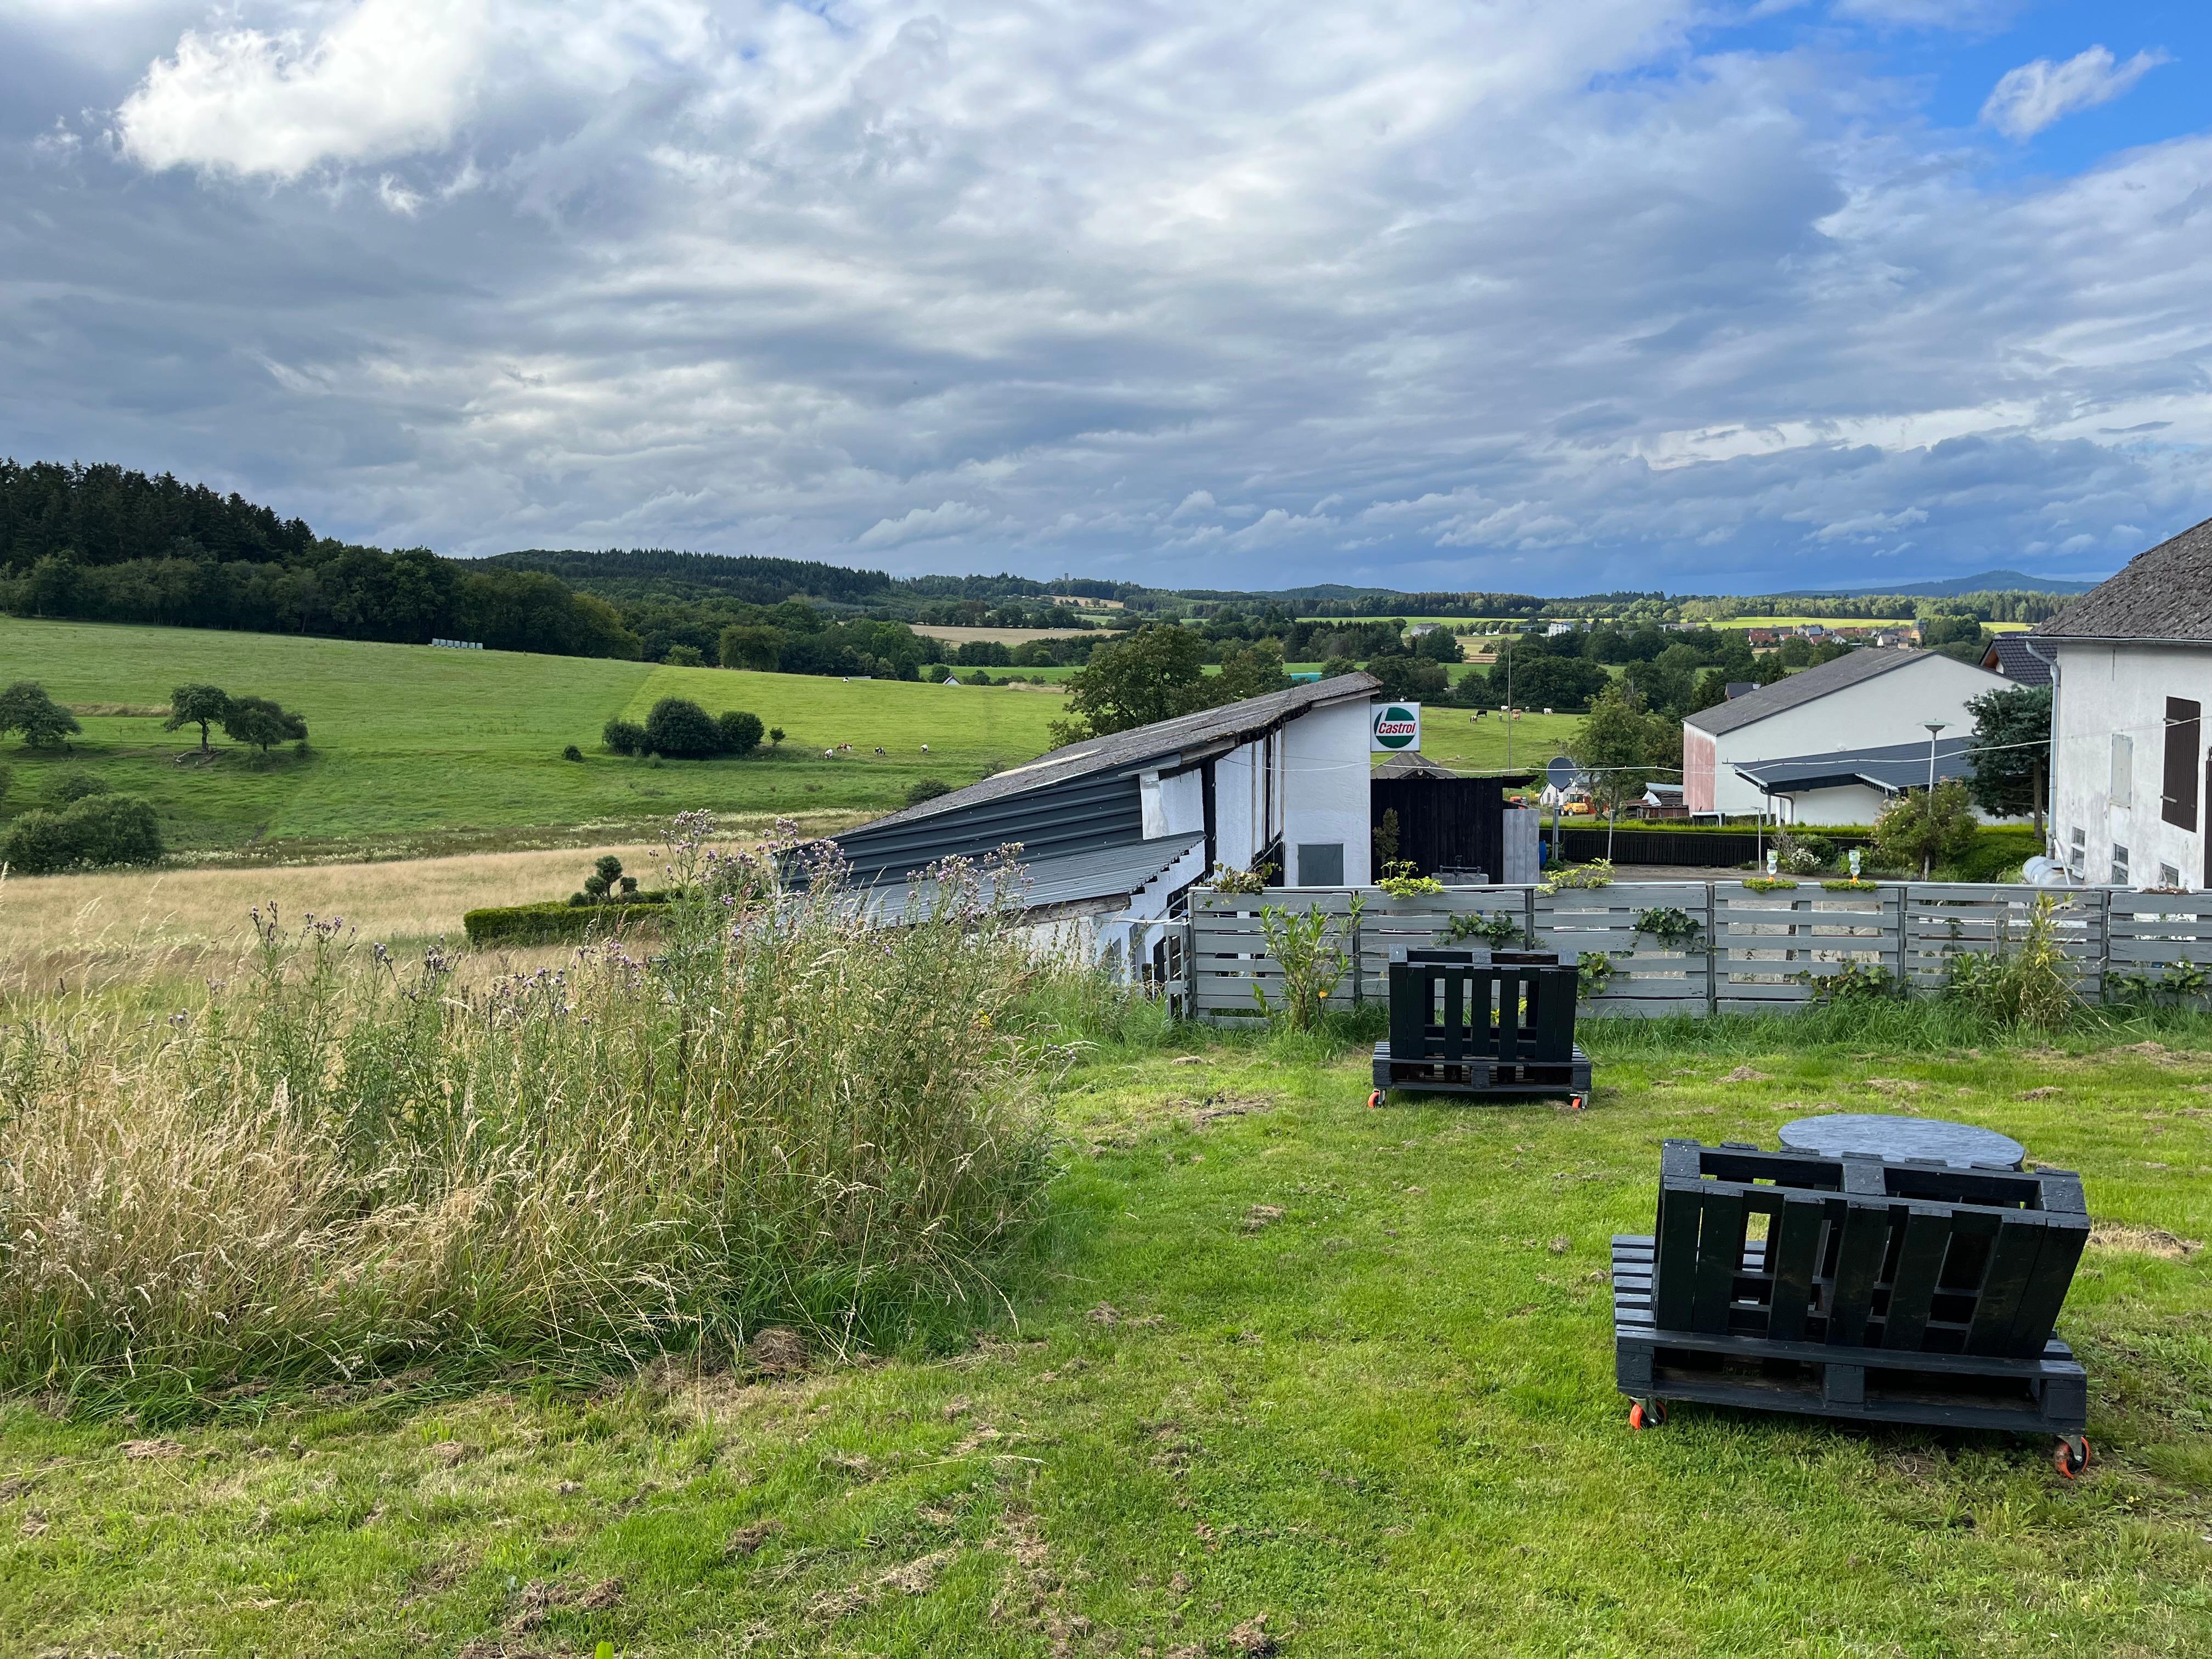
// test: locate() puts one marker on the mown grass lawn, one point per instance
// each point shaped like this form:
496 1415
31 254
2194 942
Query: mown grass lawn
1283 1370
414 748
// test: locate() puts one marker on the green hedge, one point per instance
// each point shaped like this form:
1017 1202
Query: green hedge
554 922
95 831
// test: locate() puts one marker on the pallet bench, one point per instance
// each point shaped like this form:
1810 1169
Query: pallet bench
1855 1287
1463 1023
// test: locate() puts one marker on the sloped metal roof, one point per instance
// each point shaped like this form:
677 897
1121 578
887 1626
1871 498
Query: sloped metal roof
1856 667
1162 739
1101 873
1890 767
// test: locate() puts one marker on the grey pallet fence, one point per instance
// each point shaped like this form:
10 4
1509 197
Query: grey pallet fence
1942 922
1757 950
1650 974
2159 945
1771 944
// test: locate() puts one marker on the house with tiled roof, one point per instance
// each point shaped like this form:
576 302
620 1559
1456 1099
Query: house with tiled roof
2131 667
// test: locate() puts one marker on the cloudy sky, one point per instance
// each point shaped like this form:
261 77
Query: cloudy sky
1551 295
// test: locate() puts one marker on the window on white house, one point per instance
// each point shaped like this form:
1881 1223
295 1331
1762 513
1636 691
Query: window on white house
2119 865
2123 769
2168 876
2077 856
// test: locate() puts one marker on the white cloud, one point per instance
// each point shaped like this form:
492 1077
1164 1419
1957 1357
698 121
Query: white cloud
1962 16
924 523
1483 295
2028 99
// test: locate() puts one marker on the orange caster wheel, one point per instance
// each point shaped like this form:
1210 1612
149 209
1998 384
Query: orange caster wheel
1374 1100
2070 1457
1576 1103
1646 1414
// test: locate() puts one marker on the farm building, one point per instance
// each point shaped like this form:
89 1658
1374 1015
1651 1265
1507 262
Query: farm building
1114 830
1866 702
2133 670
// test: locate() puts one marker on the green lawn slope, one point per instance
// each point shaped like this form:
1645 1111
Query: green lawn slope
1289 1375
414 749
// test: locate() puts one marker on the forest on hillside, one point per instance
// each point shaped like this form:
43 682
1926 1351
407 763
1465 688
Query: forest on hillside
104 544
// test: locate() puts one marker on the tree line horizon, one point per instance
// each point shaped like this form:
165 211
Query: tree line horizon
102 543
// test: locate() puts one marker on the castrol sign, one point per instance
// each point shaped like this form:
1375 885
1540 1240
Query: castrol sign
1397 725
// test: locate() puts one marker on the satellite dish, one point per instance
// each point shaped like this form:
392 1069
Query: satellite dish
1562 774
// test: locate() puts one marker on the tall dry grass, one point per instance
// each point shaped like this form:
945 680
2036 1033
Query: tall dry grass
344 1164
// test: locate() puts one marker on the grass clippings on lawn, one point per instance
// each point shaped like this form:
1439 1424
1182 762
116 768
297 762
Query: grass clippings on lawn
1381 1422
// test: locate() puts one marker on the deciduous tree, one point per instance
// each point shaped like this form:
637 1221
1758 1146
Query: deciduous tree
262 723
1156 673
1923 826
2012 741
45 724
203 706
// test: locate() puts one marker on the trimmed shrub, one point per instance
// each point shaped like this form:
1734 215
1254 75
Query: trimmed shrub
741 733
624 736
922 789
680 729
557 921
96 830
572 753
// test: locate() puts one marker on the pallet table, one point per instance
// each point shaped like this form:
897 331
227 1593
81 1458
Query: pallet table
1879 1290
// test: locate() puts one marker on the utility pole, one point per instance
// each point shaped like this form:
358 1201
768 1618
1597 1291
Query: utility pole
1928 853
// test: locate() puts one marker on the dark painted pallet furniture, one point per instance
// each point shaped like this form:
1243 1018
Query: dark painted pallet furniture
1462 1023
1856 1287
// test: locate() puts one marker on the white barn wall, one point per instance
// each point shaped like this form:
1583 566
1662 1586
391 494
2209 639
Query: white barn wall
2103 689
1236 781
1326 777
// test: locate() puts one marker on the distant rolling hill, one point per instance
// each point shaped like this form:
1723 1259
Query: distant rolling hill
1987 581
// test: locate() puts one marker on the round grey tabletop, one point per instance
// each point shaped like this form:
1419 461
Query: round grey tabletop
1887 1134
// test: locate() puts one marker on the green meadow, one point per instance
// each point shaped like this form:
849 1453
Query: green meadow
414 748
1283 1375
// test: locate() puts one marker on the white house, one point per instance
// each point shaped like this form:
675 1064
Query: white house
1860 703
2130 778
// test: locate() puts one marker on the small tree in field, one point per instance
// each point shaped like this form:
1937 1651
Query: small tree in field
1922 825
680 729
45 724
740 731
262 724
196 705
1625 746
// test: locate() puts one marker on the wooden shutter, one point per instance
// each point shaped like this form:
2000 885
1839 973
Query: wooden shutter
2184 739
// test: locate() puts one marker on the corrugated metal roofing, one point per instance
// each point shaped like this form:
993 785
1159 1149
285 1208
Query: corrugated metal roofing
1086 810
1101 873
1141 744
1859 666
1890 767
2165 593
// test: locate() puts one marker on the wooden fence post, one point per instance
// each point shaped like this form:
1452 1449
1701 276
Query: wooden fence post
1714 954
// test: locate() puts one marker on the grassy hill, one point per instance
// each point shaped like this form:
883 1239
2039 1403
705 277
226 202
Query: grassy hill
414 749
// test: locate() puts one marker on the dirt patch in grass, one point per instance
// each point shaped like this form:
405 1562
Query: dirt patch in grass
2142 1241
